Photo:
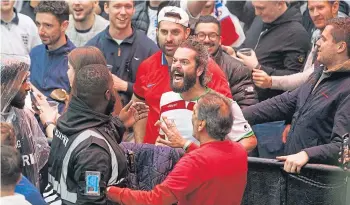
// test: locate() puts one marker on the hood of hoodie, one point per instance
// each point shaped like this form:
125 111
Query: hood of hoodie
291 14
80 117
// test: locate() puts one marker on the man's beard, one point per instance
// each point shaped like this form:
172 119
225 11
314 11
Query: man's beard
18 102
162 48
189 80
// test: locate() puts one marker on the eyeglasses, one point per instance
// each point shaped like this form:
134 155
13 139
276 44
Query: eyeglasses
212 36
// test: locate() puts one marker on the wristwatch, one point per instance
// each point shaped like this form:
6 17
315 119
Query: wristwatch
46 124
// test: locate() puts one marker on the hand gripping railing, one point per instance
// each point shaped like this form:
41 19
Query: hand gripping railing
316 184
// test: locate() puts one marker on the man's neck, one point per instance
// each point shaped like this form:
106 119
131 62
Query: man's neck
195 92
169 59
58 44
7 192
7 16
337 62
205 138
86 24
153 3
34 4
120 34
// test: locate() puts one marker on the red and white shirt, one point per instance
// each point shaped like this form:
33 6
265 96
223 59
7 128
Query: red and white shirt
180 111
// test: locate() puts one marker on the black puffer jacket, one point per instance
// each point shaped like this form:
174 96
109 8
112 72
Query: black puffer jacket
281 47
239 77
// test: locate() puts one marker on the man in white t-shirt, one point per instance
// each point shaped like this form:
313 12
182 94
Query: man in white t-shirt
145 17
18 32
84 23
189 85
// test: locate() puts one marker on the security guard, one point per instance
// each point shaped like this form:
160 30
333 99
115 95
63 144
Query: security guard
85 156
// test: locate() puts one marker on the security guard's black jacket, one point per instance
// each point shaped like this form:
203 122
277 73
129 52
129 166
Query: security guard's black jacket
92 154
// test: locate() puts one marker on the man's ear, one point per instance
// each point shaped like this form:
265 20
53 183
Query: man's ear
64 25
108 95
106 6
335 8
201 125
187 32
342 47
199 71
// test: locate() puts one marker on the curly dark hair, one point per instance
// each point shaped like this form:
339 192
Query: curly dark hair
341 30
201 58
59 9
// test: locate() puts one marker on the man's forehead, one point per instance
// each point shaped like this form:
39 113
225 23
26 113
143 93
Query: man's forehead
207 27
184 53
327 31
168 25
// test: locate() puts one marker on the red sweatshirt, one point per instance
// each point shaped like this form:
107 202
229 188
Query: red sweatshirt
215 173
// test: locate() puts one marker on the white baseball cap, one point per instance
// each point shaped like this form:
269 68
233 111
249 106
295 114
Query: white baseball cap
184 19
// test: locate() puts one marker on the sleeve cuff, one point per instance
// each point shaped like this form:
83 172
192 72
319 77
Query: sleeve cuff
130 88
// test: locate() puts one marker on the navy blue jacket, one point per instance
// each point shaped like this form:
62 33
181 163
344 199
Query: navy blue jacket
48 69
126 57
320 112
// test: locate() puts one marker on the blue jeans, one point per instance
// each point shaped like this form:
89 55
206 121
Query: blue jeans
269 136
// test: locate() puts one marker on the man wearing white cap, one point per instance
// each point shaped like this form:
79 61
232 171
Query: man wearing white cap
153 78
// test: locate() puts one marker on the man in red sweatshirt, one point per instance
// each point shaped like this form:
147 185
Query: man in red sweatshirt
214 173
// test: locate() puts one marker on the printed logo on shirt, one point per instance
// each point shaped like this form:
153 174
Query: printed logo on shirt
249 89
28 159
62 137
25 39
18 144
247 128
150 85
301 59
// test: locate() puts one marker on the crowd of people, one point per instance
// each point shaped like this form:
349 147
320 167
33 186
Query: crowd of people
217 81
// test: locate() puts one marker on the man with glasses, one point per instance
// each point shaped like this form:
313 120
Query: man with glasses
208 31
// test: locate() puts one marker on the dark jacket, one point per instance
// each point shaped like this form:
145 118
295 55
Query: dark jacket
48 69
239 78
126 57
320 114
140 19
281 47
152 164
91 154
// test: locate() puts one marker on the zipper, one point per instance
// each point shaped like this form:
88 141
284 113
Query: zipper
262 33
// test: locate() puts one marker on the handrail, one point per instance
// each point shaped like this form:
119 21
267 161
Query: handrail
317 167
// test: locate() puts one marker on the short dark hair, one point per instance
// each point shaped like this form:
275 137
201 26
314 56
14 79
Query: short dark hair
215 110
11 167
208 19
60 9
91 82
341 30
201 58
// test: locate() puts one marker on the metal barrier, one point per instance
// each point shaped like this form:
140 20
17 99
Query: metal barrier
317 184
